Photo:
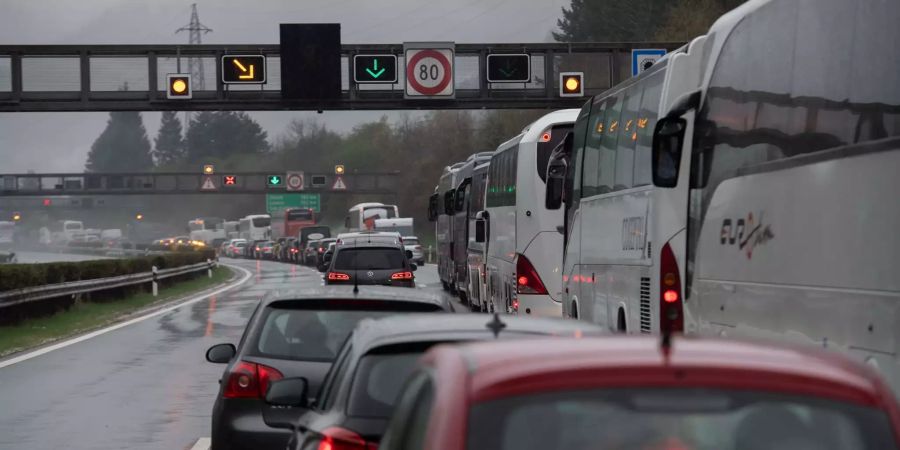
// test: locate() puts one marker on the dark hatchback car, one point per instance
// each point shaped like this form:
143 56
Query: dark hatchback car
357 397
371 259
293 334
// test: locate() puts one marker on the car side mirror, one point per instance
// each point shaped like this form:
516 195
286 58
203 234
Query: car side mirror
556 182
292 392
221 353
412 267
668 140
409 254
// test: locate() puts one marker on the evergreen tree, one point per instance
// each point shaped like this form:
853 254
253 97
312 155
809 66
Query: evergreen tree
122 147
221 134
169 141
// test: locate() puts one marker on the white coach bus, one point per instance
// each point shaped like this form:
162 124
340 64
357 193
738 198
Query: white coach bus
618 224
789 176
255 227
524 245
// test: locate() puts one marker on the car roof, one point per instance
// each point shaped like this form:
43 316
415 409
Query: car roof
372 333
381 293
369 241
640 360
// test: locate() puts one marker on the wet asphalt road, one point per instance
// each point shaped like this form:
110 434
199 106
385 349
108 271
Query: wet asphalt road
145 385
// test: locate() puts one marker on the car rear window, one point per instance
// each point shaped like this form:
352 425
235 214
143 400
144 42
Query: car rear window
378 380
696 419
369 259
410 241
308 334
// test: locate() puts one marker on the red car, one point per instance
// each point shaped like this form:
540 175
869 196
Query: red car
621 393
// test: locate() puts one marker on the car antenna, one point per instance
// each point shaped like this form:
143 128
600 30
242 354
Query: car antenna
496 325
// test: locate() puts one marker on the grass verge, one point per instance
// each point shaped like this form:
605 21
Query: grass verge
85 317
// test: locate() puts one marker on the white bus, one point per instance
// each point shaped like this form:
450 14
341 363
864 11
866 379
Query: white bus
617 223
788 176
362 217
439 212
66 230
206 229
459 224
255 227
475 251
524 245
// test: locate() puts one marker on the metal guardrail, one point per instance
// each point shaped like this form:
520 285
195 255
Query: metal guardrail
32 294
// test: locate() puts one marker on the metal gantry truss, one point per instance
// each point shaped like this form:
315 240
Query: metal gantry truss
152 183
604 66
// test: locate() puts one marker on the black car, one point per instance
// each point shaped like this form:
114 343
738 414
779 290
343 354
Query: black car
357 397
293 334
371 259
315 254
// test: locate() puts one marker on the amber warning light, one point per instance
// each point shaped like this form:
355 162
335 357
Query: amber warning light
571 84
179 86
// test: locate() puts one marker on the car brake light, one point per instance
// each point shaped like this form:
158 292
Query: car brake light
337 276
671 314
527 279
336 438
250 380
402 276
257 248
418 247
321 250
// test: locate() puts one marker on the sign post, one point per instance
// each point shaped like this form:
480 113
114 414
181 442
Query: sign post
429 70
643 58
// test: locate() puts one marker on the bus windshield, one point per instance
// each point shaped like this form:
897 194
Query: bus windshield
262 221
300 214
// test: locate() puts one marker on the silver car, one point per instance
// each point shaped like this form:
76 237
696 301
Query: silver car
412 244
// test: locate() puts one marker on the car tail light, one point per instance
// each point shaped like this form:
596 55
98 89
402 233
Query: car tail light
337 276
336 438
418 247
402 276
527 279
671 307
250 380
257 248
321 250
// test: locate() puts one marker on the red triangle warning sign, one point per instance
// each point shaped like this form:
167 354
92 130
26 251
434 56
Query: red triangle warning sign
338 184
208 184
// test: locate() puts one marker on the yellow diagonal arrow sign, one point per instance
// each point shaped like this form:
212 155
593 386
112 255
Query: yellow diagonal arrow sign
243 69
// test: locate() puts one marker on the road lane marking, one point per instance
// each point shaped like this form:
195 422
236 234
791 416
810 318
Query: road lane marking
93 334
202 444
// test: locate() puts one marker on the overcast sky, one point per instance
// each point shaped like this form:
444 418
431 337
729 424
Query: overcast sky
48 142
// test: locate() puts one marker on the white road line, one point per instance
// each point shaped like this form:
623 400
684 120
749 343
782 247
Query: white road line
202 444
99 332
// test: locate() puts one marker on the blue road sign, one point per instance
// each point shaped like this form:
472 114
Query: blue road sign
643 58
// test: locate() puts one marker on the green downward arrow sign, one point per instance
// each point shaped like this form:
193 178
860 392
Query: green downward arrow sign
374 72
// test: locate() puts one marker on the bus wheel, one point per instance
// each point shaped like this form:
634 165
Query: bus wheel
621 326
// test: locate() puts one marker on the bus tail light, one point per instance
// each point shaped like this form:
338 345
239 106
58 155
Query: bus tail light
527 279
671 306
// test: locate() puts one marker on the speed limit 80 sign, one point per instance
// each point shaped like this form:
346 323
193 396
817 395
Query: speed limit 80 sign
429 70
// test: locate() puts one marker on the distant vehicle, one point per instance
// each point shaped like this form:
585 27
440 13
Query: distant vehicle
371 259
65 230
411 243
265 250
476 290
254 248
459 212
296 219
438 212
294 334
358 396
314 257
235 248
362 217
309 252
207 229
313 233
401 225
232 229
7 232
524 243
255 227
702 394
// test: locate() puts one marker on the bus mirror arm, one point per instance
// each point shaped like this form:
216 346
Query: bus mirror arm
684 103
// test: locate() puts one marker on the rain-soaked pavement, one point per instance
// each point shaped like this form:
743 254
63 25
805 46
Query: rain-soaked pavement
145 385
